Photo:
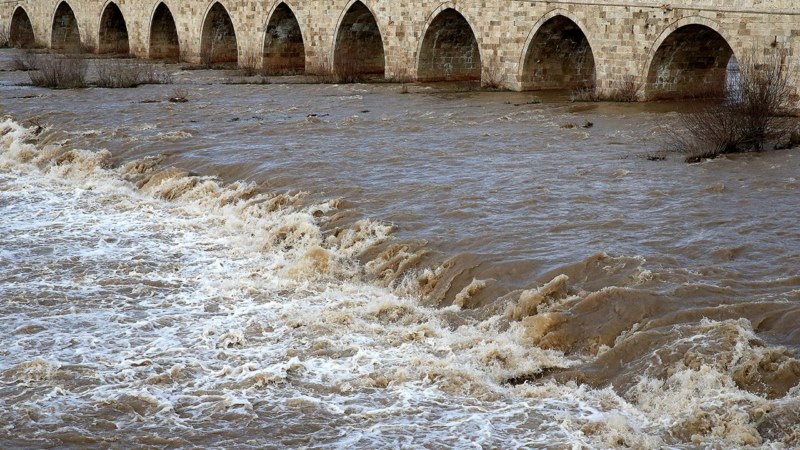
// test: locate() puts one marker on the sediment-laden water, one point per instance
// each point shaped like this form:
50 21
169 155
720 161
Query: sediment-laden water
292 265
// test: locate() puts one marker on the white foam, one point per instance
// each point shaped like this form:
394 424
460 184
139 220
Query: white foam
188 305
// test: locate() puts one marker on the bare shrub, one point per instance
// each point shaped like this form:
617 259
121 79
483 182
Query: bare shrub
154 74
322 73
757 111
626 91
584 92
402 75
23 61
180 96
207 58
115 73
492 78
5 38
58 72
282 70
345 71
260 79
349 71
248 64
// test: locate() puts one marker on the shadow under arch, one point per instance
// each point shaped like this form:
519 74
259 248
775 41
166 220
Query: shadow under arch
690 60
65 34
557 55
20 33
163 41
113 33
358 47
284 48
449 50
218 43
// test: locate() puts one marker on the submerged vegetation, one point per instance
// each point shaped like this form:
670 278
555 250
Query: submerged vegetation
116 73
625 91
59 72
72 71
758 113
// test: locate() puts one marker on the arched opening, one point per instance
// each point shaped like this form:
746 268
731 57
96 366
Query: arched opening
359 46
164 35
449 50
559 57
218 42
113 31
65 34
284 52
693 61
20 34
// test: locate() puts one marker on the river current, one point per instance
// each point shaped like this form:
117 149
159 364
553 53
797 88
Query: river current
323 265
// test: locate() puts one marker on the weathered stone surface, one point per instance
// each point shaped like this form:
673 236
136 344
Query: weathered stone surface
520 44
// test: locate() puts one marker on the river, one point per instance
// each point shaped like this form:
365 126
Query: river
369 266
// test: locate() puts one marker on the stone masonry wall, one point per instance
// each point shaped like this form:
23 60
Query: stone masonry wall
623 37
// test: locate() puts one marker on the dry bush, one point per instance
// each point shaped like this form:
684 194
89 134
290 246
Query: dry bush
5 38
626 91
116 73
155 74
345 71
24 61
207 60
260 79
350 71
282 70
492 78
248 64
180 96
59 72
584 92
206 57
402 75
322 73
757 112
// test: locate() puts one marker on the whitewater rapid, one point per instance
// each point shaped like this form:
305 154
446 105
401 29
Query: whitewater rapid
146 306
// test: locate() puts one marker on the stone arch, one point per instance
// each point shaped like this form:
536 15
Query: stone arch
164 43
449 50
20 32
557 54
218 43
113 37
284 48
689 59
358 47
65 34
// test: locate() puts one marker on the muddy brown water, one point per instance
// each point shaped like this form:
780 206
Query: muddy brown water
375 268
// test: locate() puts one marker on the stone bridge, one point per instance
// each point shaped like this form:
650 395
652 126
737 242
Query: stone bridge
669 49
